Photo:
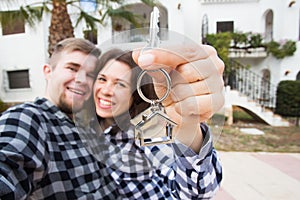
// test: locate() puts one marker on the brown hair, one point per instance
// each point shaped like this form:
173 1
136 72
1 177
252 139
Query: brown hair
146 86
73 44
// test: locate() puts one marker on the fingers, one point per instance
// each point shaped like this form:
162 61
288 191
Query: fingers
200 69
196 74
172 56
200 108
203 106
213 84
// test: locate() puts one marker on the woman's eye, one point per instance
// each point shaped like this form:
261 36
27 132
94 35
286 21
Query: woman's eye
101 79
122 84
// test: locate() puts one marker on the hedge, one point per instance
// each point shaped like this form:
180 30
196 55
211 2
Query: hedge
288 98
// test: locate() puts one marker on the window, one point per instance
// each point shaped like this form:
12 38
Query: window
299 28
14 23
91 35
18 79
226 26
269 26
204 28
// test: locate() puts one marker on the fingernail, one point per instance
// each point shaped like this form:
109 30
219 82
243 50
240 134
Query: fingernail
146 60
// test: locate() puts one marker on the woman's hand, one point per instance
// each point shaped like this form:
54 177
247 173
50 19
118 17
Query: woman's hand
197 86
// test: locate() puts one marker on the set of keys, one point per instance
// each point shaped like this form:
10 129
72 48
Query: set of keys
153 126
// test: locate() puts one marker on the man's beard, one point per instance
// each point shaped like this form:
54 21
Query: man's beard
68 108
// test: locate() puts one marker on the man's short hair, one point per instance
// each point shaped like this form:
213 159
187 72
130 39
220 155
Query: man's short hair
73 44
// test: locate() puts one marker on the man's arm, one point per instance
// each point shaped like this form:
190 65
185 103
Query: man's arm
22 156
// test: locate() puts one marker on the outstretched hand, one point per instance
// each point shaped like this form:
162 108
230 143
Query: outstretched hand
197 86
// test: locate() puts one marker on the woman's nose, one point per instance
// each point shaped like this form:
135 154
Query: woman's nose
107 88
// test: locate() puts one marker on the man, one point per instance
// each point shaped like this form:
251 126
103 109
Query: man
41 153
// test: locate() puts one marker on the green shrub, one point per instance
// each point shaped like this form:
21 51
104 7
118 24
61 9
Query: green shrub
221 42
255 40
239 39
288 98
280 51
3 106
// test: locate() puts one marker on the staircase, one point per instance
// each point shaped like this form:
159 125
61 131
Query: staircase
235 98
252 93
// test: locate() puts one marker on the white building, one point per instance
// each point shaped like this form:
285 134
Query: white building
25 53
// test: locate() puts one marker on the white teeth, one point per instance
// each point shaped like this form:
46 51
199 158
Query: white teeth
105 103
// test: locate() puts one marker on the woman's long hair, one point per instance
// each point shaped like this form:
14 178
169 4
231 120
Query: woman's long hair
138 104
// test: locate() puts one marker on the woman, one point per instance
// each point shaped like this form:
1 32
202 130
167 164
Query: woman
165 171
120 87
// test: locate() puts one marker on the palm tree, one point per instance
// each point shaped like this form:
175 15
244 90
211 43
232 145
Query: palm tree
61 26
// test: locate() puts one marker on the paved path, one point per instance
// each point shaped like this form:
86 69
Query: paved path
260 176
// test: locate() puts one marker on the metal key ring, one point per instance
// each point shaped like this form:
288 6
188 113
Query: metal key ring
168 86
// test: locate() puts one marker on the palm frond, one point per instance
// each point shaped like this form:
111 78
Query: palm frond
32 14
150 3
123 14
89 20
45 8
71 2
28 14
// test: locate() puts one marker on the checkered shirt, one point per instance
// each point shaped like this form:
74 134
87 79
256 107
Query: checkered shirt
171 171
43 157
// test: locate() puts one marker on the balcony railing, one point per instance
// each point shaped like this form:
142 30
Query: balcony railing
254 86
248 53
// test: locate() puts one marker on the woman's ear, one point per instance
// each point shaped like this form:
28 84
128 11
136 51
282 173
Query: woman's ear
47 69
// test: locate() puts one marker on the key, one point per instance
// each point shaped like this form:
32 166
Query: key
153 126
153 30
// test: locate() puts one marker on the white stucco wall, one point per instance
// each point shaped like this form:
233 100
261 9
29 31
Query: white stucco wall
30 49
250 17
24 51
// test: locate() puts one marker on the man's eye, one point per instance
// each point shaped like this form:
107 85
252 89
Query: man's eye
72 69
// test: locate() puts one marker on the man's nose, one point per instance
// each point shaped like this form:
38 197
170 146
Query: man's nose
81 76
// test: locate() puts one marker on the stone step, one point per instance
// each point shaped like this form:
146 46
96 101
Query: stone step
234 98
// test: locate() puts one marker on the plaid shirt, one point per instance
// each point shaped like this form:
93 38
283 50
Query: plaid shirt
165 171
43 157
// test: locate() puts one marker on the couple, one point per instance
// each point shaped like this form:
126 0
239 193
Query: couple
42 153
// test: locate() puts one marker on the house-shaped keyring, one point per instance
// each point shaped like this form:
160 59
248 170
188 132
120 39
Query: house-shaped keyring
153 127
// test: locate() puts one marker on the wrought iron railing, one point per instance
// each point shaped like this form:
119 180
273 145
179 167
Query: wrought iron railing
254 86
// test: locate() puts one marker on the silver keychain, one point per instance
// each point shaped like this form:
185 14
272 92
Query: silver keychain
153 126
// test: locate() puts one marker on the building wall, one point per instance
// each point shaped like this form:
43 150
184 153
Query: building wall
29 50
249 16
24 51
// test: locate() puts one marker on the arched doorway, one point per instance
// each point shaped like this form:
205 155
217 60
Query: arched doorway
204 29
269 26
264 96
298 76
